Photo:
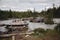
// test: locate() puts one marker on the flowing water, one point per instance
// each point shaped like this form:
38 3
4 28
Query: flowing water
33 26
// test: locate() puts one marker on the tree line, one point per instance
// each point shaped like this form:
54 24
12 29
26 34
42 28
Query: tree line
50 13
15 14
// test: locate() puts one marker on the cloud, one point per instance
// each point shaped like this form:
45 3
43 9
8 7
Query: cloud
26 4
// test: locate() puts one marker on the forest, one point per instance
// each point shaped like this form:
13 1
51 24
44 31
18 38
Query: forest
51 13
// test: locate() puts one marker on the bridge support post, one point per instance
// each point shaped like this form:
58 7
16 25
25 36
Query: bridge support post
13 37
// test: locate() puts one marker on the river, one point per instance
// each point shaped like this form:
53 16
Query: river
33 26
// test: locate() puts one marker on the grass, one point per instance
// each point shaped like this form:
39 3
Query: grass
48 35
5 38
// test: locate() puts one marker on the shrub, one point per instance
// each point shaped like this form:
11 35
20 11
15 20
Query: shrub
57 28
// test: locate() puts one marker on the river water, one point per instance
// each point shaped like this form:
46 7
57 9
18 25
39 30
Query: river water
33 26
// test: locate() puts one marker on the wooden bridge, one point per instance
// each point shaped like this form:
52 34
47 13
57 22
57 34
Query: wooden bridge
13 35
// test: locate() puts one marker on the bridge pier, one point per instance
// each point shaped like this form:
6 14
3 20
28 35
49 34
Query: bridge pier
13 37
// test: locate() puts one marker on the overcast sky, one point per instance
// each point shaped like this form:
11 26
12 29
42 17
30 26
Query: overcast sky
21 5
